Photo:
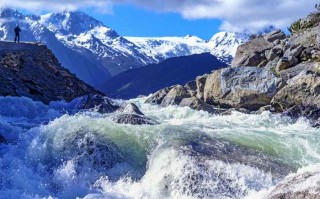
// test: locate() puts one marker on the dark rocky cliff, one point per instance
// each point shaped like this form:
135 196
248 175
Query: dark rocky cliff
32 70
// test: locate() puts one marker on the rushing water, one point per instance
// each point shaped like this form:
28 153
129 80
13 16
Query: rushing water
190 154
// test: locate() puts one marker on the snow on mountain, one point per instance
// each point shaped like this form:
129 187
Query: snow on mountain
223 45
160 48
95 52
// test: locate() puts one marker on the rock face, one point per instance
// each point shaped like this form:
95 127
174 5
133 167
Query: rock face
300 96
130 114
252 53
304 185
31 70
241 87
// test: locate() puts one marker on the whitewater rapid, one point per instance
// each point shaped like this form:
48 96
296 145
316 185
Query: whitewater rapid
54 152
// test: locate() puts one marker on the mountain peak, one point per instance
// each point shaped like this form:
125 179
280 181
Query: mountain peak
10 13
70 22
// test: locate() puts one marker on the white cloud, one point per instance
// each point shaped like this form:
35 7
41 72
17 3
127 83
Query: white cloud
236 15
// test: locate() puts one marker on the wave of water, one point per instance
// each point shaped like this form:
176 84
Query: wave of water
53 153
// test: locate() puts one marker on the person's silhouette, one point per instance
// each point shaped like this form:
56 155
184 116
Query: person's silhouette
17 31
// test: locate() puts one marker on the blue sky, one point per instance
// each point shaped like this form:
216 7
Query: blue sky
202 18
130 20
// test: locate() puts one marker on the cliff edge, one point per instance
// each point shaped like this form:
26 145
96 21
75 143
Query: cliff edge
32 70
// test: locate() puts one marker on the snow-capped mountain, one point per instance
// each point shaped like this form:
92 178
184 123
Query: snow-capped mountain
95 52
161 48
223 45
82 44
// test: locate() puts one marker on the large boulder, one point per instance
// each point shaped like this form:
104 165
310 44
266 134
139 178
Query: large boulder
252 53
303 185
133 119
130 108
175 95
301 96
131 114
98 103
158 97
241 87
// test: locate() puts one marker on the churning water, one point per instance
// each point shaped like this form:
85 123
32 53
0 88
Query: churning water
53 153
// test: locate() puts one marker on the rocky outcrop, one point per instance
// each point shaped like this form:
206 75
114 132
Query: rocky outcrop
303 185
241 87
130 114
31 70
252 53
98 103
301 96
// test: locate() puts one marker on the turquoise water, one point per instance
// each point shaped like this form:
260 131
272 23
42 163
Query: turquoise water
190 154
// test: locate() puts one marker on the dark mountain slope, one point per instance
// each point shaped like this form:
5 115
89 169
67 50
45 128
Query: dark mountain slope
148 79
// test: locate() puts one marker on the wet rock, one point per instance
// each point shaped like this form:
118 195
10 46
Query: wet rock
133 119
197 104
265 108
303 185
251 53
90 150
241 87
301 97
98 103
229 111
175 96
158 97
275 35
130 108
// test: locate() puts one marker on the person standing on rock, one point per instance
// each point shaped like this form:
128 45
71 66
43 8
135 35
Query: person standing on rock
17 31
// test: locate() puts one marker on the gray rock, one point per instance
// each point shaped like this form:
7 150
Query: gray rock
200 86
191 87
158 97
229 111
175 96
98 103
133 119
251 53
275 35
296 70
130 108
89 150
301 96
241 87
270 54
304 185
197 104
282 64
